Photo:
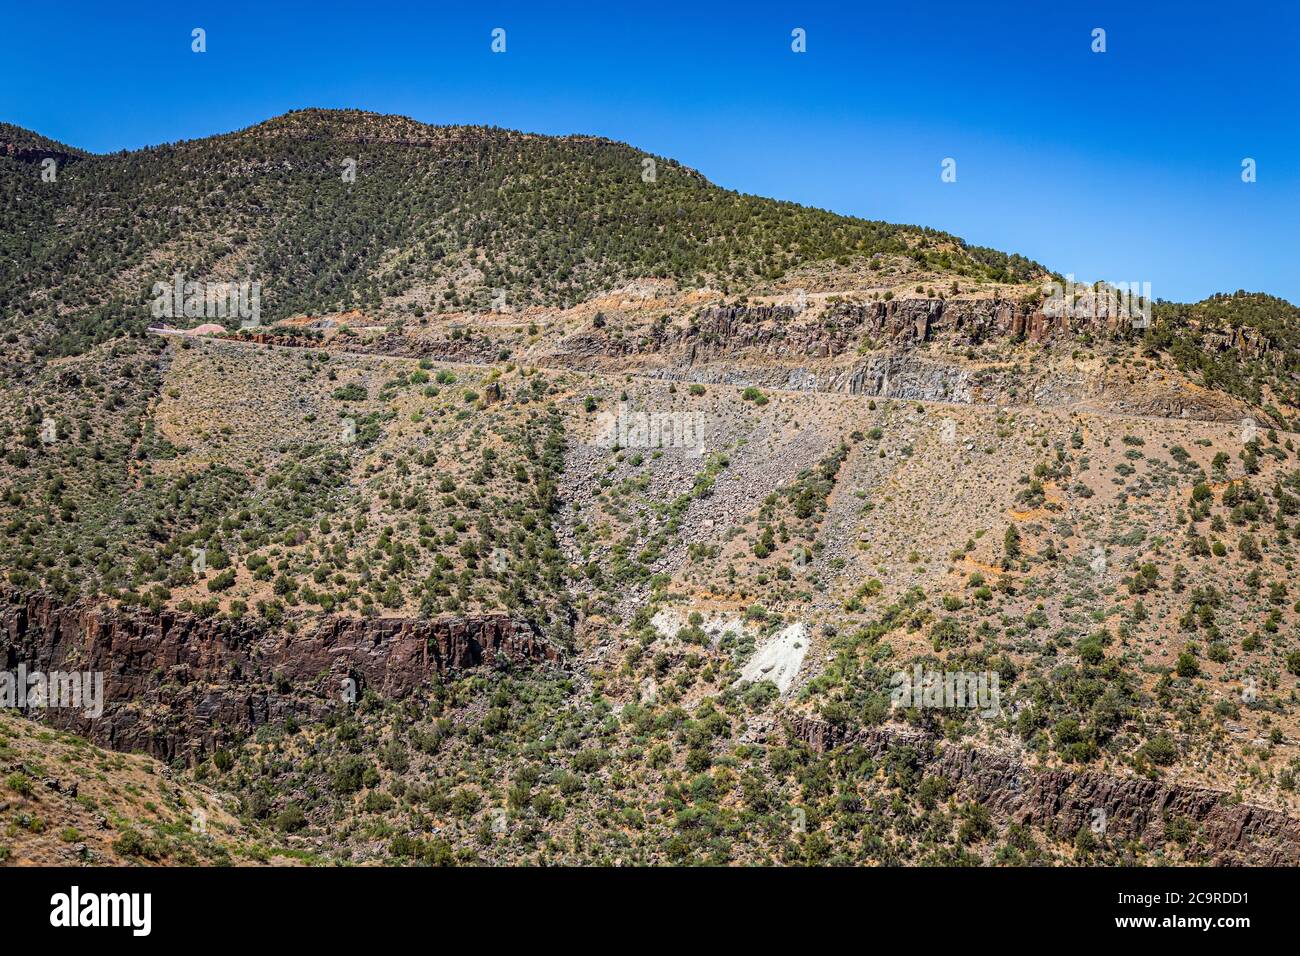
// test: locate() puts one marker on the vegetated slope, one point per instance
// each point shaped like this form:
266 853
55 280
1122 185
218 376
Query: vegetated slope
1247 344
236 480
435 216
899 460
64 802
1126 579
16 142
892 539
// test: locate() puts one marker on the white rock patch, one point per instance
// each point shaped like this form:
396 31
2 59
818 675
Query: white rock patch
780 658
669 621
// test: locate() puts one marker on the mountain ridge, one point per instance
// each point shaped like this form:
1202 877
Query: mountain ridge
252 203
290 125
554 511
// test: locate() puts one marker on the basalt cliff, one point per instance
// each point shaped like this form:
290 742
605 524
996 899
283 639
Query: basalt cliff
177 685
1226 831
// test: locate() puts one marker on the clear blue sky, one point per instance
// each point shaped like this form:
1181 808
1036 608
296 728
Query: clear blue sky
1121 166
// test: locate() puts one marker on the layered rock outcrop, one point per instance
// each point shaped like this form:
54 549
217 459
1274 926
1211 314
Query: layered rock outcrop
904 349
783 331
1066 801
176 685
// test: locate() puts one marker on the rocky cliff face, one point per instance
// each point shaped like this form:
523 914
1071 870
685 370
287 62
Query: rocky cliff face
179 685
904 349
786 331
28 153
1065 801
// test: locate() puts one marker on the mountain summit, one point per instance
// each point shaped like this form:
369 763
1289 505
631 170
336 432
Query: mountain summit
339 209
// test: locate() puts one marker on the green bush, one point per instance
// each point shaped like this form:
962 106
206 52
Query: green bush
353 392
290 819
1160 750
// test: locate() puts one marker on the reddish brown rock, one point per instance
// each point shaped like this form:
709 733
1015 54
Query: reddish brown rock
1066 801
176 684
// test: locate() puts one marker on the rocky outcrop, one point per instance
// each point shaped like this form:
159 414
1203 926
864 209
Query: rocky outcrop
972 321
907 378
1249 344
1065 801
179 685
273 338
24 152
903 349
783 331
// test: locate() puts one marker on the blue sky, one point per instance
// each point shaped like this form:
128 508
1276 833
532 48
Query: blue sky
1120 166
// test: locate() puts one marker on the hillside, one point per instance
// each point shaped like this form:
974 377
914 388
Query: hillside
437 217
64 802
553 515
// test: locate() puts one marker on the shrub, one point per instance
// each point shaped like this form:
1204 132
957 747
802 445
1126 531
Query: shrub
132 843
19 784
355 392
348 775
1160 750
290 819
223 581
